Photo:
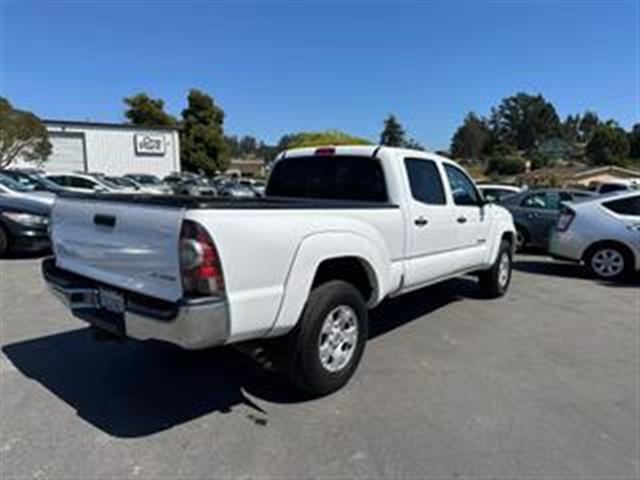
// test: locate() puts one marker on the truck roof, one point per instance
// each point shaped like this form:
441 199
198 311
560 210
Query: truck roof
359 150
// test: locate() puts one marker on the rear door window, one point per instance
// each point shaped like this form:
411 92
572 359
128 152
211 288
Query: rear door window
624 206
542 200
425 181
331 177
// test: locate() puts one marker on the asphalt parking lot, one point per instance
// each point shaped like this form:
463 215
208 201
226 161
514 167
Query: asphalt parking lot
541 383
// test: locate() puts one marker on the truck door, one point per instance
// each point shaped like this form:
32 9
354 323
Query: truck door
470 217
431 226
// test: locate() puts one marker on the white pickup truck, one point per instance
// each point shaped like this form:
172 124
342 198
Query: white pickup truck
339 230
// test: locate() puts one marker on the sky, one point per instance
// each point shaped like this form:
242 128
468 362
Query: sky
281 67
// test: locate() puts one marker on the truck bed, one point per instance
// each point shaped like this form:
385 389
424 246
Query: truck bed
223 203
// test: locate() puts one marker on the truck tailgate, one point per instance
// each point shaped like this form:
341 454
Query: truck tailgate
126 245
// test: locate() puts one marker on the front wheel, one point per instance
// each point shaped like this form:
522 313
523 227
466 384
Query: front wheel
326 346
495 281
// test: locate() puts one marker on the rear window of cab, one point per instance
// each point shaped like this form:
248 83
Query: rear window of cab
329 177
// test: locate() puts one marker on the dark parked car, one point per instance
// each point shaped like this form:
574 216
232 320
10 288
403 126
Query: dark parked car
32 181
23 223
536 211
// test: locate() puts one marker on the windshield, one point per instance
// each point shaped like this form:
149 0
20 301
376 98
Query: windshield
13 185
121 182
109 183
146 179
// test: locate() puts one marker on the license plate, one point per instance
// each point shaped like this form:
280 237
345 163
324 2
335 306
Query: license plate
111 300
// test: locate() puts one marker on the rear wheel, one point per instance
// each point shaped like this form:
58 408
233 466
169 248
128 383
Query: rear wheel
4 241
326 346
495 281
608 261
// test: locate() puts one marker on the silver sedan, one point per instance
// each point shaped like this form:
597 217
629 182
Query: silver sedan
603 233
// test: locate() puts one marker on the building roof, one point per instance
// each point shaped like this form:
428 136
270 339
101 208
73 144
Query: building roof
576 172
627 172
83 123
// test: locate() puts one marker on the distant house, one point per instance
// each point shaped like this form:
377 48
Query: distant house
247 167
577 174
604 174
557 148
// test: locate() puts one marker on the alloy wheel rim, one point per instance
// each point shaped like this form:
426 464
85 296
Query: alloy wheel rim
608 262
338 338
504 270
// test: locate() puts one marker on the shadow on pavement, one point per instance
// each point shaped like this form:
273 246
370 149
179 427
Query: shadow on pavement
396 312
12 256
570 270
133 389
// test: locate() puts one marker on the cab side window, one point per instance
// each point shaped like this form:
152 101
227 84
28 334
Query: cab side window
424 179
463 190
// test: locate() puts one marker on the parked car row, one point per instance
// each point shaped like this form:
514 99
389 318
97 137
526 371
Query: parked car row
601 231
544 218
26 197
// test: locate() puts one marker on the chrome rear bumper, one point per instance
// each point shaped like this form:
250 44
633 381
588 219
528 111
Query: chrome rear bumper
193 324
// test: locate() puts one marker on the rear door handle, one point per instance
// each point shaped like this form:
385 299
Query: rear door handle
105 220
462 219
420 221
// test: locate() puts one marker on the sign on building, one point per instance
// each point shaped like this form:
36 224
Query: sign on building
149 144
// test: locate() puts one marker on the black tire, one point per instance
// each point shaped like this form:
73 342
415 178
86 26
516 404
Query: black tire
522 238
493 282
306 369
4 241
622 266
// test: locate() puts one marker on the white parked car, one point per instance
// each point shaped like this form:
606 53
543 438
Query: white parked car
497 192
604 233
620 185
340 229
84 183
150 183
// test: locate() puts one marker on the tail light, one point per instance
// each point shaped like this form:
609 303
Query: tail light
199 262
325 151
564 220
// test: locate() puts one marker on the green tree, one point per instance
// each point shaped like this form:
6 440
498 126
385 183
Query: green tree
634 143
570 128
413 144
393 134
501 164
588 125
315 139
144 110
471 138
202 145
22 136
609 145
524 120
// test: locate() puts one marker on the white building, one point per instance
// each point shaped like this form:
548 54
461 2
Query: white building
112 148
